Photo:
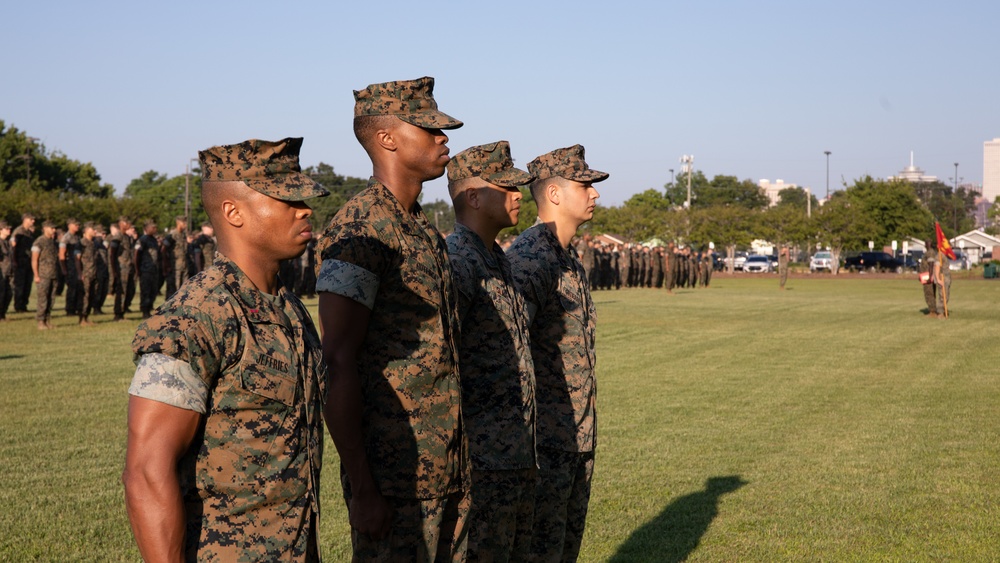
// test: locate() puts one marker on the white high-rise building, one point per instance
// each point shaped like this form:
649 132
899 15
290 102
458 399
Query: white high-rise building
991 170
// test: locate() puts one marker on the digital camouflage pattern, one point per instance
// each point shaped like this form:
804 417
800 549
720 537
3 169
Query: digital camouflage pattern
491 162
71 242
251 481
88 275
6 259
48 257
563 329
566 163
562 498
503 515
422 530
269 167
498 381
121 246
409 100
408 361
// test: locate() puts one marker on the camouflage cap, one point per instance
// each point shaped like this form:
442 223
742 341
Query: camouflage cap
410 100
566 163
490 162
269 167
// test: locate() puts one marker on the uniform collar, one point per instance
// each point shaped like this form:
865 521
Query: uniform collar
467 234
257 307
410 222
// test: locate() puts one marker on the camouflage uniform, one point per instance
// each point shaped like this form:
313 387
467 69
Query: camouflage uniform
6 272
204 250
48 272
563 331
74 291
21 240
88 275
396 264
252 364
121 248
930 289
498 380
103 273
175 247
783 266
147 250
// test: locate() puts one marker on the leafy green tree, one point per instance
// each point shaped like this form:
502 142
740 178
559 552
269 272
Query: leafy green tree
441 214
342 188
676 193
732 226
841 224
25 163
797 198
893 208
722 190
166 196
955 209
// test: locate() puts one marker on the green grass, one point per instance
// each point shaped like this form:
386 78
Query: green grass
832 421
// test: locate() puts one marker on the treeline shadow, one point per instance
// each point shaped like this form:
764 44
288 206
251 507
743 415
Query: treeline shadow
676 532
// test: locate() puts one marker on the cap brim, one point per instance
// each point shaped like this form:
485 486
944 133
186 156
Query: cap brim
588 175
510 178
431 120
288 187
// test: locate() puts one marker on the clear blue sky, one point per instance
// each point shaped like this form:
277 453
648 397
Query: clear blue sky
752 89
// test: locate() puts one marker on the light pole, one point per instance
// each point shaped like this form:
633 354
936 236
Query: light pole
827 153
671 177
688 162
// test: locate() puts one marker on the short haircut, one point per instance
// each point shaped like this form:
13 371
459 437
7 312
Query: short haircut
124 219
539 185
181 218
213 193
88 225
365 127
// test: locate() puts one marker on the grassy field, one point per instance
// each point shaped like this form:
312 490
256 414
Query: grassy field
832 421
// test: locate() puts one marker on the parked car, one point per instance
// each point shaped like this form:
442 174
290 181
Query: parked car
961 262
822 260
875 261
774 262
739 259
757 264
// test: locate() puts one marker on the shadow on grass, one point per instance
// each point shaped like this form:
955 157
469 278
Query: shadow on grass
11 357
675 533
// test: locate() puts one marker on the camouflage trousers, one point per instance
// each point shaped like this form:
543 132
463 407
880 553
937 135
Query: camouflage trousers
46 295
930 297
124 290
6 294
149 283
74 292
783 275
561 499
90 289
422 530
941 295
503 510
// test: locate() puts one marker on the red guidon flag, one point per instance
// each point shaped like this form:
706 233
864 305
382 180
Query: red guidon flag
942 242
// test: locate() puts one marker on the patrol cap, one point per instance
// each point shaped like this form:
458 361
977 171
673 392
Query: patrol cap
566 163
269 167
490 162
410 100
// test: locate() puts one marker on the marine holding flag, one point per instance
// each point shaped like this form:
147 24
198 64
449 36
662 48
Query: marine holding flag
942 273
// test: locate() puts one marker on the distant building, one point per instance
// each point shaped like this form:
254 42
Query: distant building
772 190
913 174
991 170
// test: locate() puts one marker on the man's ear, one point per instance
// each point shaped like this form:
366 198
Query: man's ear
552 193
232 213
385 139
472 198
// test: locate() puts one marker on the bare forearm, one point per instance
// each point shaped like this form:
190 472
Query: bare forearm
343 417
156 512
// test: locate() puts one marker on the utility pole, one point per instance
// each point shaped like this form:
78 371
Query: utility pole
827 153
688 161
187 194
809 202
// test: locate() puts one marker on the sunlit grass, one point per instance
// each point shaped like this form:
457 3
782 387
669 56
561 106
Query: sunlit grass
835 422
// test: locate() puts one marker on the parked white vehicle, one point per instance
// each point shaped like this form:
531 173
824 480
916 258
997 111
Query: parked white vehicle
757 264
822 260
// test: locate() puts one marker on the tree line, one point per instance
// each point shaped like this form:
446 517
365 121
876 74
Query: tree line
724 210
